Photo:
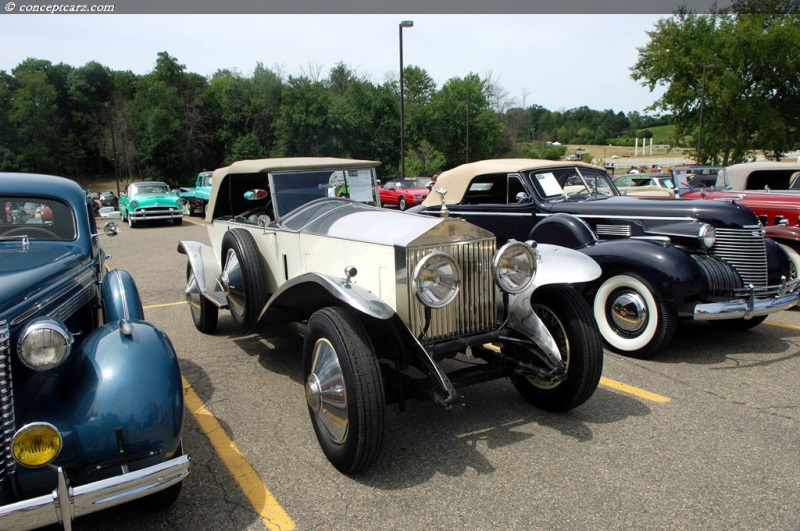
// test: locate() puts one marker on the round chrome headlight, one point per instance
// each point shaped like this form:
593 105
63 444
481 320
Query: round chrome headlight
44 344
36 444
514 266
707 236
436 280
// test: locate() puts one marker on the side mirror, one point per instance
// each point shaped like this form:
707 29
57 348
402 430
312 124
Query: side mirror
111 228
522 197
255 194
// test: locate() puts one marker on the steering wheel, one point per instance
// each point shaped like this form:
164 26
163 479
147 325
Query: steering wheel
30 229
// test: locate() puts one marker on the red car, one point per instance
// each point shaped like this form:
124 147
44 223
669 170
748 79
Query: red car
403 193
749 185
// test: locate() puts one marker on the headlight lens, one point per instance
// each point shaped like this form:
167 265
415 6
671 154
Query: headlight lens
36 444
514 266
708 236
437 280
44 344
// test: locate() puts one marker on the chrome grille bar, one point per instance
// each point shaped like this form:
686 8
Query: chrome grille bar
7 424
613 230
746 251
473 310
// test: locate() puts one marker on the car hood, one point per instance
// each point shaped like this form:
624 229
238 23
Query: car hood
147 200
348 220
24 273
750 198
412 191
720 214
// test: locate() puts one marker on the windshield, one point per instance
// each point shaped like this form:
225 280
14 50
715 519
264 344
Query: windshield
294 189
700 177
572 184
155 188
36 218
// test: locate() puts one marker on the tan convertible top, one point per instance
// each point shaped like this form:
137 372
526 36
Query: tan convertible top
737 173
281 164
457 180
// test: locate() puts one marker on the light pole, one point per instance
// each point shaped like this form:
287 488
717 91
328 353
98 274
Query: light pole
702 104
403 24
467 102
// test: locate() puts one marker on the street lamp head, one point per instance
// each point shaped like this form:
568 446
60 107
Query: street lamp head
407 24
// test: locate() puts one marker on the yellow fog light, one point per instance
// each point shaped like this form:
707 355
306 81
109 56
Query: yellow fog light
36 444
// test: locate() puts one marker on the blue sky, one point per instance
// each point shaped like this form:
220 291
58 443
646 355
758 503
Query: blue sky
556 61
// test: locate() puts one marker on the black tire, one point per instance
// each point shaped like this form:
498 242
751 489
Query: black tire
569 319
242 279
205 313
632 316
337 352
163 498
177 221
401 203
738 325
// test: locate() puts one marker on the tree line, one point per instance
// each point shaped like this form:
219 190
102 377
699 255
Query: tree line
91 121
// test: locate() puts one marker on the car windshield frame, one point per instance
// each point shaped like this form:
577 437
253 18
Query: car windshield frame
147 188
572 183
291 189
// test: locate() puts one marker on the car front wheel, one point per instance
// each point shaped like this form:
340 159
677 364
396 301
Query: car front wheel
344 389
633 318
402 203
242 279
568 318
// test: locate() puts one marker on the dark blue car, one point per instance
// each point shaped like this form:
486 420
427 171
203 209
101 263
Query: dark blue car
91 402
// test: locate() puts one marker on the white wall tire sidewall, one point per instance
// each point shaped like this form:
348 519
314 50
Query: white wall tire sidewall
606 329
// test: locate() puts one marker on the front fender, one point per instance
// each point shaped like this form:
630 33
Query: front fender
301 296
560 265
118 380
206 270
120 297
669 269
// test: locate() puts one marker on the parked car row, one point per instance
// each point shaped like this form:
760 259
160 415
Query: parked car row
515 269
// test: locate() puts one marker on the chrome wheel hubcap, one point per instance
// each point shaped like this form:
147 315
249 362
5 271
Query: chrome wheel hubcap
325 392
629 312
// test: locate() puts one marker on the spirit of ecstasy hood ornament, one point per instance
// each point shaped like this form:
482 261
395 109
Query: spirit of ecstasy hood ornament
442 192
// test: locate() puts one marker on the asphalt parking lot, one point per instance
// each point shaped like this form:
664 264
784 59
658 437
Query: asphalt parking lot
705 436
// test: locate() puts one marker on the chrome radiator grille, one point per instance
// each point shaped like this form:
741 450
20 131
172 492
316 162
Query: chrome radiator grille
473 309
6 403
746 251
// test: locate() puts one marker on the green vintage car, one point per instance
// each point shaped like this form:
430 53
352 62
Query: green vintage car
150 201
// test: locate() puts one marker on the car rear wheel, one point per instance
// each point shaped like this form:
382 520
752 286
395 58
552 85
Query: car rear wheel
205 313
242 279
344 389
633 318
401 203
569 319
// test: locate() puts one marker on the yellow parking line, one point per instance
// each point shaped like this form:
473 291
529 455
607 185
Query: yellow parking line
163 305
781 325
635 391
262 500
198 223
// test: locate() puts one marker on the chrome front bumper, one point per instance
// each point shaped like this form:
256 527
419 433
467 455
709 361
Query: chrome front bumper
66 503
145 215
751 305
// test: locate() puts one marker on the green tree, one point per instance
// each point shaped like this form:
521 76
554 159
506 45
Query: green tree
749 97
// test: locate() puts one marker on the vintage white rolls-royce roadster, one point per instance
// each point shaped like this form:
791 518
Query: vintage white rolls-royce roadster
384 297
